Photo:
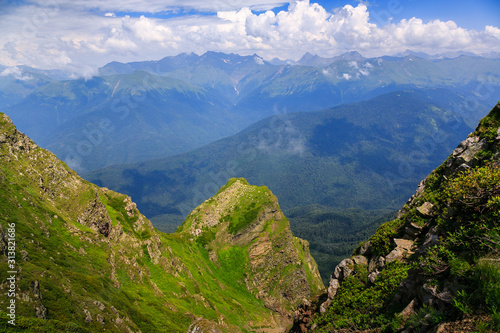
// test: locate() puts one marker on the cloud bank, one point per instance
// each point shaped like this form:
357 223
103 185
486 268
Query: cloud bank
81 35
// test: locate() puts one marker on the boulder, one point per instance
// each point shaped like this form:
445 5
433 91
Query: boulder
41 312
412 230
376 263
373 276
425 210
325 305
366 249
88 316
344 269
360 260
427 293
333 287
404 247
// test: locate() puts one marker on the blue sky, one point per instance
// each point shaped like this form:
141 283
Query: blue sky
466 13
81 35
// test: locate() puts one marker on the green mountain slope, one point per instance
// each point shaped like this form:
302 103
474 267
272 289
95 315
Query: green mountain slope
86 260
121 118
366 156
436 266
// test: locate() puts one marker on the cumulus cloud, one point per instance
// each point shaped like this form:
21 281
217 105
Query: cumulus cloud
68 35
17 73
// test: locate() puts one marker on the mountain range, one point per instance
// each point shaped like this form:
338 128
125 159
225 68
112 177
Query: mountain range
351 165
151 109
435 267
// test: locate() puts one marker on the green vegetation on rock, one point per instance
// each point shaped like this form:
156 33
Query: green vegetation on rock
438 262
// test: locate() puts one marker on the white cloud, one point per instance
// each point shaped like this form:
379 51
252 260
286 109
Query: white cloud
17 73
66 35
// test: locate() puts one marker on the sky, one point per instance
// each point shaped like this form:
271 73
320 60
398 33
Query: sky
79 36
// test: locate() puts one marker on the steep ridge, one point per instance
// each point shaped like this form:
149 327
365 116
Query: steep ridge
245 223
86 260
436 266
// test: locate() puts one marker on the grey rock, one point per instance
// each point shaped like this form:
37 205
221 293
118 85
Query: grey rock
465 153
366 249
35 288
409 310
96 217
333 287
376 263
404 244
431 239
100 305
445 297
344 269
360 260
412 230
24 254
404 247
427 293
325 305
88 316
425 210
41 312
372 277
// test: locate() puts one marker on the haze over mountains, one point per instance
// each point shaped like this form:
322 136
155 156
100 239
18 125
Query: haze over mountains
143 110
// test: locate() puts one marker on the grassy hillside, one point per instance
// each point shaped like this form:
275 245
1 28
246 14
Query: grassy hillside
86 260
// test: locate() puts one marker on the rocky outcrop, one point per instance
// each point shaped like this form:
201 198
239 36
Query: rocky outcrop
96 217
203 325
279 269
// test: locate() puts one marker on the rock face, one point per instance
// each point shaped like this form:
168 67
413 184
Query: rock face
278 266
96 217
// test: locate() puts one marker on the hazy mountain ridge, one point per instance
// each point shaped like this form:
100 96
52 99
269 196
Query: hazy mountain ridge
87 260
227 93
